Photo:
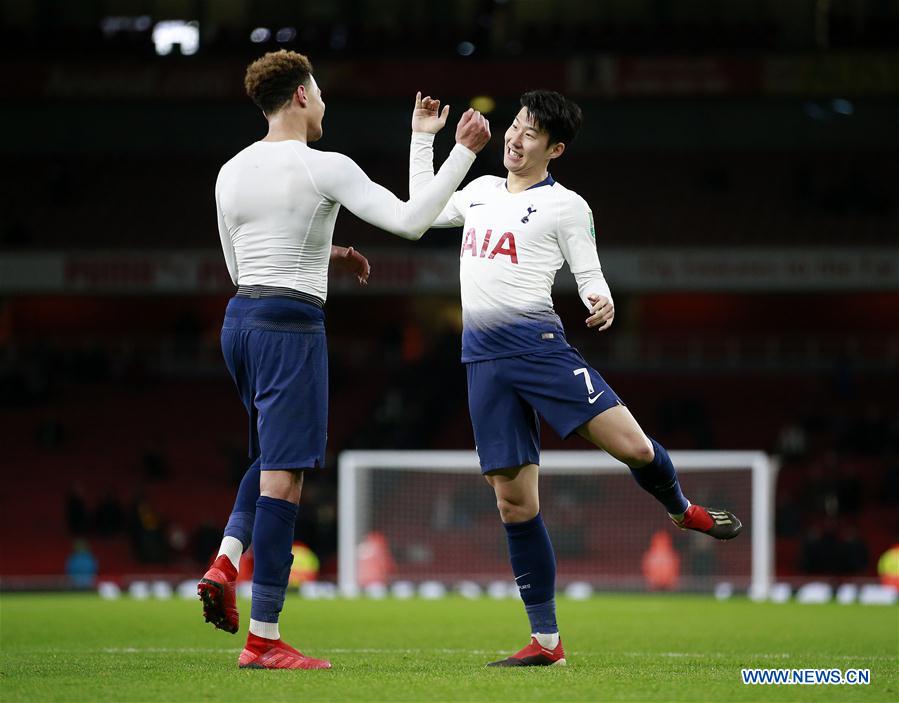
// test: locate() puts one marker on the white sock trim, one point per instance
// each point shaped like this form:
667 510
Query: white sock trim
268 630
231 548
547 640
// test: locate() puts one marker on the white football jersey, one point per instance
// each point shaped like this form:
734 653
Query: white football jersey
277 203
512 246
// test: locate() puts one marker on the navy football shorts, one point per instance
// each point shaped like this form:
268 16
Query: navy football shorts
277 354
505 397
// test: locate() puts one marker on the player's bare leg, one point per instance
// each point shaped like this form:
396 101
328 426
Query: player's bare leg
533 563
517 492
273 534
617 432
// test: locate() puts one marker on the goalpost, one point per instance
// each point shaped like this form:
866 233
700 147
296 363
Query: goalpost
436 519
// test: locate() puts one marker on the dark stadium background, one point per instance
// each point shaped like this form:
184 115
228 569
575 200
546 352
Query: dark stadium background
741 159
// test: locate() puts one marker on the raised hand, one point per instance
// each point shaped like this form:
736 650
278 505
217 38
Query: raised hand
473 130
602 312
427 117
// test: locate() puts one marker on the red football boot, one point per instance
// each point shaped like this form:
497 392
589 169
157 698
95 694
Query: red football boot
218 591
260 653
717 523
535 655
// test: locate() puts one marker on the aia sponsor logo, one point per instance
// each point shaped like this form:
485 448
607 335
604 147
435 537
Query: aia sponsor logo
504 246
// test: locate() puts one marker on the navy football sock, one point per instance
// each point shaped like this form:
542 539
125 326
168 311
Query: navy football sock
273 542
240 523
659 479
534 566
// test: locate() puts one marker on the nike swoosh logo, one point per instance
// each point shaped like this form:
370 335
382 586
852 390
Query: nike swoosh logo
593 400
522 576
475 204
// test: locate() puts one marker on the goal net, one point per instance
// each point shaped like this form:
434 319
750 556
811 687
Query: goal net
417 516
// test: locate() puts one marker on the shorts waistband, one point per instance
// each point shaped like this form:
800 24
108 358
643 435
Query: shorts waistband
278 292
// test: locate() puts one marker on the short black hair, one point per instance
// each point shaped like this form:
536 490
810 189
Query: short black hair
554 114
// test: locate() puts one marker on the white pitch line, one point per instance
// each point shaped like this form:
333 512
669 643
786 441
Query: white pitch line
371 650
415 651
766 655
165 650
356 650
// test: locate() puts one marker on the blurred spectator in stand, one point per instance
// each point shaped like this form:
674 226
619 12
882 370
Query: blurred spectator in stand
661 563
154 463
441 510
792 442
570 525
109 518
702 557
326 527
822 481
888 567
81 566
818 551
788 519
76 510
853 557
316 519
206 540
828 551
178 542
148 533
375 561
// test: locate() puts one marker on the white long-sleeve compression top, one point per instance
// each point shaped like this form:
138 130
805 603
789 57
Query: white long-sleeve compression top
277 203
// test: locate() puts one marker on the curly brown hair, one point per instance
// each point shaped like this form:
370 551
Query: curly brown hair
271 79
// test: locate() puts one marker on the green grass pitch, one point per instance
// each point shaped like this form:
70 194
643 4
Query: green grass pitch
620 648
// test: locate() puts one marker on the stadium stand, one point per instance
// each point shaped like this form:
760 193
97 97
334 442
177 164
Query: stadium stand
707 198
175 453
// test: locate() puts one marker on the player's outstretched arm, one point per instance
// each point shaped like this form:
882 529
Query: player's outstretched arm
427 120
344 182
349 260
577 240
